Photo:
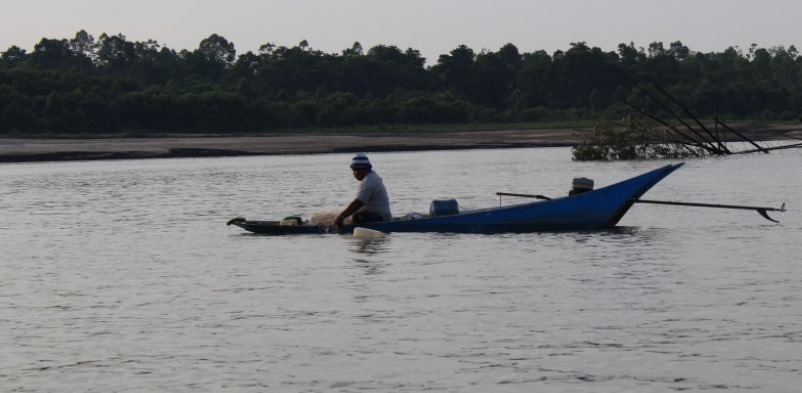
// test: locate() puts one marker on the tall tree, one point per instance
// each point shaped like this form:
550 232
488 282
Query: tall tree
53 54
84 44
455 70
116 54
13 56
218 50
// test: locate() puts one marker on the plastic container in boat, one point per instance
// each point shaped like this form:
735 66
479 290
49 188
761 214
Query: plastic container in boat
290 221
365 233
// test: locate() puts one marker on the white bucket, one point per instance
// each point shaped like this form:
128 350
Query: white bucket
365 233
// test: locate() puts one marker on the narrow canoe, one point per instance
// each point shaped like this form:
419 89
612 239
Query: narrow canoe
596 209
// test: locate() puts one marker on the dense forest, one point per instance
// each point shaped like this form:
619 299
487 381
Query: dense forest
87 86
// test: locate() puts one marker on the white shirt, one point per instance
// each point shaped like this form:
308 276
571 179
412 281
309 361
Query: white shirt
373 194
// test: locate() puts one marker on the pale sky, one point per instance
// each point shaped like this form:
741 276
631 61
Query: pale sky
432 26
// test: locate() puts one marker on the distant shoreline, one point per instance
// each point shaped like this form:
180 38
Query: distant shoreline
40 150
17 150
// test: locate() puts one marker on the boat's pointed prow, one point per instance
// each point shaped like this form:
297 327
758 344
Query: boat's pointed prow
235 221
637 186
667 169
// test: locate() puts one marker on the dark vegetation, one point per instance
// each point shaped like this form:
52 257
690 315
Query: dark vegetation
87 87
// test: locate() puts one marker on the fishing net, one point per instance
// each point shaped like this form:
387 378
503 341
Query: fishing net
324 219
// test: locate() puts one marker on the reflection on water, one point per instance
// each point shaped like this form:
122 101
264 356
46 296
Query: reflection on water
122 276
368 254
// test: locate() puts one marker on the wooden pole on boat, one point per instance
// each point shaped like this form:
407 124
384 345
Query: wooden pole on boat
760 209
524 195
500 194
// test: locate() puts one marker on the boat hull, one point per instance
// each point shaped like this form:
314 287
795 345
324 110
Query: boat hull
601 208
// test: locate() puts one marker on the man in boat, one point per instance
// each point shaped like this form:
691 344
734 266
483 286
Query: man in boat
371 203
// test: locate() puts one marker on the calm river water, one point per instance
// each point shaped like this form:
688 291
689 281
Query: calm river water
122 276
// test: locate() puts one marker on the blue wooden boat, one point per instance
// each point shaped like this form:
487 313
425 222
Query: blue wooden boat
594 209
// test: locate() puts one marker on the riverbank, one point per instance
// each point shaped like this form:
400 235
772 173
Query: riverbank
32 150
35 150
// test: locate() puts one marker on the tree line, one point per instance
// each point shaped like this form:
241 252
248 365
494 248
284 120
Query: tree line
88 86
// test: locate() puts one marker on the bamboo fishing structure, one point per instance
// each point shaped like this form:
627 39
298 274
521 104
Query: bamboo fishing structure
696 139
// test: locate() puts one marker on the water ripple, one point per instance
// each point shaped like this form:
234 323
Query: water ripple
122 276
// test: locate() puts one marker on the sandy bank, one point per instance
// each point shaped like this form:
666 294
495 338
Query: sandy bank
27 150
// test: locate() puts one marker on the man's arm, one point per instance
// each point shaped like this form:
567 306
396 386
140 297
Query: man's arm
351 209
